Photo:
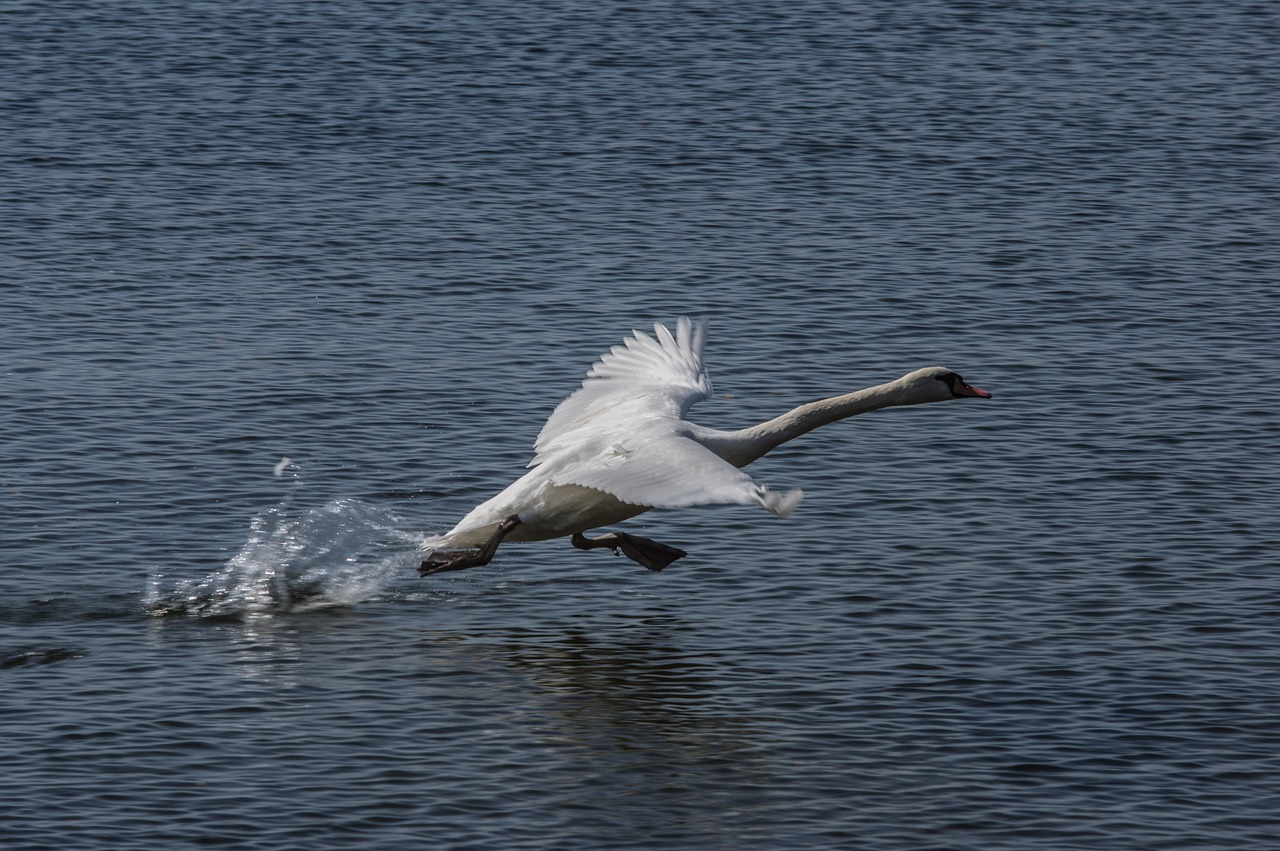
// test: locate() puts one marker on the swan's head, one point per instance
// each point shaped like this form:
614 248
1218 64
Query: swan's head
937 383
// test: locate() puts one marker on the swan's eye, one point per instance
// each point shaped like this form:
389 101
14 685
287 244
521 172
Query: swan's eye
962 389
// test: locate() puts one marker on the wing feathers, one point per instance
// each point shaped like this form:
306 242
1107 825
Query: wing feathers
673 473
623 432
639 377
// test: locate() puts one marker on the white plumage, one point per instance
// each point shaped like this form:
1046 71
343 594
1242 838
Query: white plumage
621 445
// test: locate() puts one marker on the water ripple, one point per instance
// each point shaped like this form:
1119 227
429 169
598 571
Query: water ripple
384 240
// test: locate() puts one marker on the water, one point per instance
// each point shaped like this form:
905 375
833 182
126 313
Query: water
383 240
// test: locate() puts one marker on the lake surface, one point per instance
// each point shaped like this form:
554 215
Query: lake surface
383 240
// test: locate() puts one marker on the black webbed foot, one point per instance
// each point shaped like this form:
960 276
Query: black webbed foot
654 555
440 562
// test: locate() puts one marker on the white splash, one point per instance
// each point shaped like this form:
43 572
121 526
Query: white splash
342 553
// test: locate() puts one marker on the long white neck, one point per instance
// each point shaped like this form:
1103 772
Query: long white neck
742 447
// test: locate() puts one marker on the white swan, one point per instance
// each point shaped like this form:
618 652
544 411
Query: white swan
621 445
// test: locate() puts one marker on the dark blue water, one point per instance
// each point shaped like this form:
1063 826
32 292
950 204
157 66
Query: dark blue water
383 240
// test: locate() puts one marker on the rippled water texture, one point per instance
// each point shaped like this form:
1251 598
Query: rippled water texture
285 287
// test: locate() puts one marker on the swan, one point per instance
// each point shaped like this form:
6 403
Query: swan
620 445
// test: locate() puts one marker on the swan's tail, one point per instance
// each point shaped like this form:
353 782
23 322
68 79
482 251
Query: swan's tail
781 504
432 543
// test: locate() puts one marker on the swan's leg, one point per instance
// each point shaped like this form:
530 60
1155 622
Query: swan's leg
439 562
650 553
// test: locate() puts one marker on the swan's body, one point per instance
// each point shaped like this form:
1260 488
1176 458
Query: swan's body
621 445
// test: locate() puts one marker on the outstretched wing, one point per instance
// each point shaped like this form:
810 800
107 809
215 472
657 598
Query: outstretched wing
643 378
623 432
672 472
